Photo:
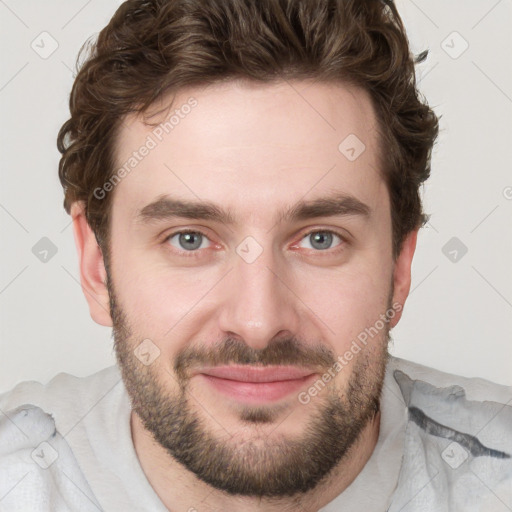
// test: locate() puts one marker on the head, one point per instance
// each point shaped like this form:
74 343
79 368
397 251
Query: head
244 182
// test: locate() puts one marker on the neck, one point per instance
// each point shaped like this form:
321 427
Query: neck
179 489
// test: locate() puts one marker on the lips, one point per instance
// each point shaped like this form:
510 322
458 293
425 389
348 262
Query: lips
257 374
256 384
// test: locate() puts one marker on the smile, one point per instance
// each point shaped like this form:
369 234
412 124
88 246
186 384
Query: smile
256 384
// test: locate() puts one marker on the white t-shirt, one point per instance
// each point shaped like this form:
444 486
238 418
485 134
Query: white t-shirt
444 445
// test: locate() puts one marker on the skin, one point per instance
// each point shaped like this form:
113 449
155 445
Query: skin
254 149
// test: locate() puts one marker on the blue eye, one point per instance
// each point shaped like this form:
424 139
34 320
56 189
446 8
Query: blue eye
321 240
187 240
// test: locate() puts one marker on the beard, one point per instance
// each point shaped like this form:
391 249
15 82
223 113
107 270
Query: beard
254 464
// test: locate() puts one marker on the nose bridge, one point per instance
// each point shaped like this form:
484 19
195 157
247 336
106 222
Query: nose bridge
257 305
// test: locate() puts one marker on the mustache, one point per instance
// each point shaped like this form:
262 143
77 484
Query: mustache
287 351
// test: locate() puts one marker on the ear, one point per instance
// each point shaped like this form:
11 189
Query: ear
402 274
92 268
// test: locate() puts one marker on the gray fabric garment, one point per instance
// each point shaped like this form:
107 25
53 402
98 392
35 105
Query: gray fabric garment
457 453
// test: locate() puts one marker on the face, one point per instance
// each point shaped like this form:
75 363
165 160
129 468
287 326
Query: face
250 251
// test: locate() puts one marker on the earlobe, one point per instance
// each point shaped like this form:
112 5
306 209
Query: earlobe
92 267
402 275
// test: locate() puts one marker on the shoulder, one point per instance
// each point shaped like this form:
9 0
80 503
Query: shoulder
458 436
38 467
63 392
66 397
475 388
474 406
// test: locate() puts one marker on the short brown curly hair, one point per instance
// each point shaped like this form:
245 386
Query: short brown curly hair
151 48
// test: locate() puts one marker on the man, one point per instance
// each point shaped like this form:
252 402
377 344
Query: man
243 181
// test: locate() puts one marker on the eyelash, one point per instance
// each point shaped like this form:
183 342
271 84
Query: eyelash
196 253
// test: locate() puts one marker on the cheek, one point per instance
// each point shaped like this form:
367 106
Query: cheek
348 301
152 299
160 304
351 307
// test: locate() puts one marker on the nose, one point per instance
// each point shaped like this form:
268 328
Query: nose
258 302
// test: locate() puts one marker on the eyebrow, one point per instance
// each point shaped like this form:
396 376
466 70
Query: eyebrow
167 208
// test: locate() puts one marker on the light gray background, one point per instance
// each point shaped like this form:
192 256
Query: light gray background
458 317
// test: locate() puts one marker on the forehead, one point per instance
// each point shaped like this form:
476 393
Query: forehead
253 146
